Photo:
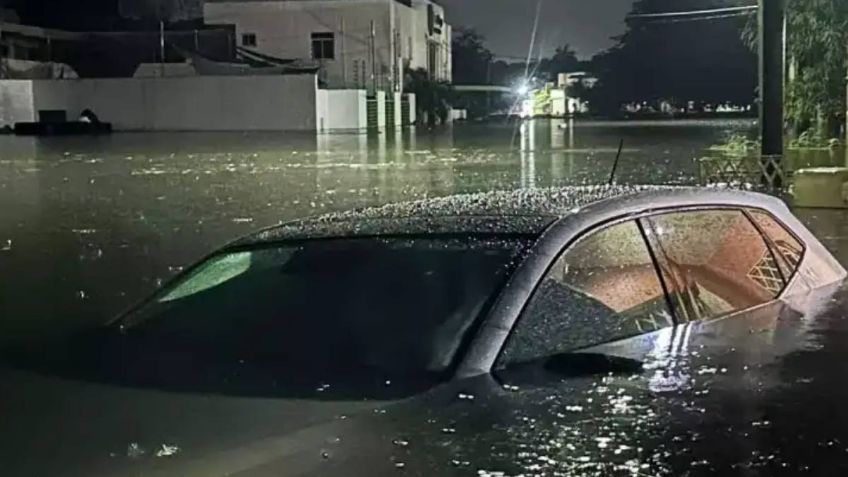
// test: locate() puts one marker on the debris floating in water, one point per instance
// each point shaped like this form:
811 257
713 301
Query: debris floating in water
7 247
134 450
167 450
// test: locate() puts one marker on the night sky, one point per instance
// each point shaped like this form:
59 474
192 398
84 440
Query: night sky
586 25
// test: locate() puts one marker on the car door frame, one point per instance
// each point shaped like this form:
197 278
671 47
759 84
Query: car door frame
493 334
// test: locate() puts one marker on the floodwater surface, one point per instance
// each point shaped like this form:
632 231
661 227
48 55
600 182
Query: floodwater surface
88 226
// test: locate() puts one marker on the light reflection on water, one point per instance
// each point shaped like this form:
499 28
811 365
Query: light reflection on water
89 225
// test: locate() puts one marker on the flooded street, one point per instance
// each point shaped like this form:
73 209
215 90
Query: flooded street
88 226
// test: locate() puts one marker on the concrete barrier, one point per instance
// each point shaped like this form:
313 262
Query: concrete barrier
821 187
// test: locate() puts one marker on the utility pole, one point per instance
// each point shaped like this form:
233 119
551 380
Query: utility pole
772 29
161 41
2 52
343 53
373 54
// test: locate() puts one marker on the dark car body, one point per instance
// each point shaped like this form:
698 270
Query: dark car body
754 391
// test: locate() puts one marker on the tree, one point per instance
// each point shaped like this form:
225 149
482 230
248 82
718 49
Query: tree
817 35
564 60
816 48
656 60
432 98
472 61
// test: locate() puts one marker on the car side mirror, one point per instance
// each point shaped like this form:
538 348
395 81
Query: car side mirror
578 365
566 366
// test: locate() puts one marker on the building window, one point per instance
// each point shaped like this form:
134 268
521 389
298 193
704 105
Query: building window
248 39
323 46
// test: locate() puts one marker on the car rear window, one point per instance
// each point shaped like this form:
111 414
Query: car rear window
789 250
713 262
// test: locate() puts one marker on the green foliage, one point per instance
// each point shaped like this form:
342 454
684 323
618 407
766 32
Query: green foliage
433 99
737 145
740 145
817 53
813 139
817 35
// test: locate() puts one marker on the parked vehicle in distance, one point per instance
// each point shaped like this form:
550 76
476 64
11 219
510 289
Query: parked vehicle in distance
575 331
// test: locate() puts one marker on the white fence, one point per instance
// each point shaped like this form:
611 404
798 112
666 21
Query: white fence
200 103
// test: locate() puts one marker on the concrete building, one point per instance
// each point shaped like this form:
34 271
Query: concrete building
205 84
361 44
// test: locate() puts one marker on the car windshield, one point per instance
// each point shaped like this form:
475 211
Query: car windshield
386 309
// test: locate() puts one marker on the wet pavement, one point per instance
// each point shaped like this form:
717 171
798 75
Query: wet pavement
90 225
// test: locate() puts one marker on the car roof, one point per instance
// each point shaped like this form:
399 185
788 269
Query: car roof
516 212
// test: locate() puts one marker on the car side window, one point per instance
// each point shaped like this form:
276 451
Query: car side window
788 250
713 262
603 288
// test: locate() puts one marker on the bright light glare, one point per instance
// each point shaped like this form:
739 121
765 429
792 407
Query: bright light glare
523 89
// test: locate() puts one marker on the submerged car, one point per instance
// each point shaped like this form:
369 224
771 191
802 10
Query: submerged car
577 331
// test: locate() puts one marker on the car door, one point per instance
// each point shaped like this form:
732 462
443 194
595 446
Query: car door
604 287
637 276
714 262
601 377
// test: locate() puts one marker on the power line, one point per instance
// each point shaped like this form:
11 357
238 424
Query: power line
698 19
695 13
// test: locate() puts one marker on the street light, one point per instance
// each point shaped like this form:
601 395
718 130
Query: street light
523 89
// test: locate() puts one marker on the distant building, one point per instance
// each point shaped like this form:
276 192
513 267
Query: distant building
261 71
28 51
565 80
558 99
360 44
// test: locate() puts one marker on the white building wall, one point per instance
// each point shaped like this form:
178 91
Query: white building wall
440 41
16 102
381 110
284 30
559 103
398 109
413 108
342 110
203 103
410 42
447 51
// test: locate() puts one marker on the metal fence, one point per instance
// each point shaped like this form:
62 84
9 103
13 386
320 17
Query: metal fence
768 173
